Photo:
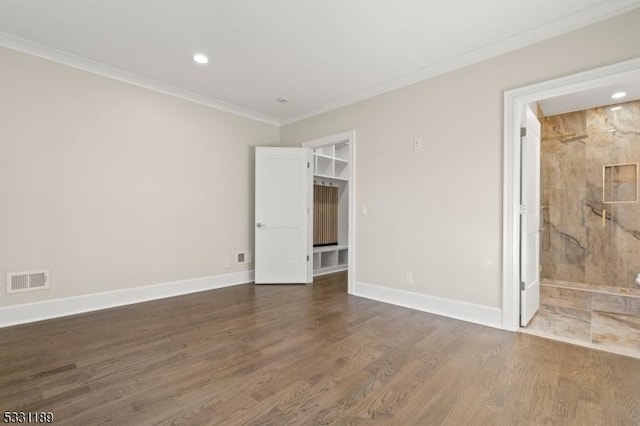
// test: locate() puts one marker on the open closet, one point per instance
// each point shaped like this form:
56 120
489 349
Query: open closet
331 207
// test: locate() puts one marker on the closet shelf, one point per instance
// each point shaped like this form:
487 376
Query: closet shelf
330 177
330 259
329 248
328 157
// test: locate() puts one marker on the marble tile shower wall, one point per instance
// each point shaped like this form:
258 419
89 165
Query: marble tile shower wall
577 244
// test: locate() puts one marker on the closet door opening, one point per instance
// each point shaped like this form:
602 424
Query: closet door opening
333 218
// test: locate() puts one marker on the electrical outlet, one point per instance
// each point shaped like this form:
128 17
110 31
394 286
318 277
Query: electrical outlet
227 262
417 143
408 278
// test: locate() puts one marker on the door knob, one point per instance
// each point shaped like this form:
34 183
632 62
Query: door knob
260 225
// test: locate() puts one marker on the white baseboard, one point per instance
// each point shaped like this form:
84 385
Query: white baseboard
478 314
30 312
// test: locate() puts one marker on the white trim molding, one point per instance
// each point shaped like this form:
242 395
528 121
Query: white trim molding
477 314
514 102
38 311
599 12
558 27
54 55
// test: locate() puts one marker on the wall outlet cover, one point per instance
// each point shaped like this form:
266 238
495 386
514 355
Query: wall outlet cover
409 278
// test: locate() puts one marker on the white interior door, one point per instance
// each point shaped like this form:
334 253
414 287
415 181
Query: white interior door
283 201
530 219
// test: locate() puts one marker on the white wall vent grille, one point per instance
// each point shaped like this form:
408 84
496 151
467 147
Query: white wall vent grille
27 281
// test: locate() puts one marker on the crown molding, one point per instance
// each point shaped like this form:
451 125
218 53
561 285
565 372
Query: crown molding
544 32
54 55
550 30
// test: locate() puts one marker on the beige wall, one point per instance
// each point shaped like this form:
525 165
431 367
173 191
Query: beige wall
114 186
437 212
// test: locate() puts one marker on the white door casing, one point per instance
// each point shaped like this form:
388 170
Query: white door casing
530 218
283 209
514 102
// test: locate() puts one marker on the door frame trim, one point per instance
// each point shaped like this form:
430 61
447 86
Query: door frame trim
350 137
514 102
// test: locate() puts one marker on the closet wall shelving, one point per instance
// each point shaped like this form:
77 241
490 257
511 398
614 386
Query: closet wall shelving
332 168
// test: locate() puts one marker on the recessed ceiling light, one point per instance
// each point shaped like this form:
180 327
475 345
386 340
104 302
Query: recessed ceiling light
283 99
618 95
616 108
200 58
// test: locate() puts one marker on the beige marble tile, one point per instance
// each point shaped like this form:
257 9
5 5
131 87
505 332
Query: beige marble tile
564 239
563 322
628 216
551 175
625 149
626 119
566 213
563 163
613 256
565 125
617 331
598 120
599 240
591 288
565 297
568 271
620 183
624 261
613 325
616 304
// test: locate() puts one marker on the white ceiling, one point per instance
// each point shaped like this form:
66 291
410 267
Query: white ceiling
319 53
600 96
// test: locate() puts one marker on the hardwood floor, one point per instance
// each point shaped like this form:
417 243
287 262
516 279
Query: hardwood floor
304 355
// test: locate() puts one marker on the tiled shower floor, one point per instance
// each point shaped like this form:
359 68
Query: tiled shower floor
602 320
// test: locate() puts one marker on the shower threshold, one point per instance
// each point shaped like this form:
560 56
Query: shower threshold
605 318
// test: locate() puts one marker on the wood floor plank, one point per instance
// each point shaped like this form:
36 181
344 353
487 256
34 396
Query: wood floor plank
295 354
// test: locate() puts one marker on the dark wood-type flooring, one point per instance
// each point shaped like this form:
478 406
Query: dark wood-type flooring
300 355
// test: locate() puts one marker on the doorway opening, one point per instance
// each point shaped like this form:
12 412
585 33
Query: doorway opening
589 229
334 204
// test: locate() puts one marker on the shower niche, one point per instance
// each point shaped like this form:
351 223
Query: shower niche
620 183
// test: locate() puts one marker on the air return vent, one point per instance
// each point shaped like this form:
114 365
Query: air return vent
27 281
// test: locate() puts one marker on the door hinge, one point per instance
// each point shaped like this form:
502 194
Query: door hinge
307 258
521 285
523 209
308 165
523 132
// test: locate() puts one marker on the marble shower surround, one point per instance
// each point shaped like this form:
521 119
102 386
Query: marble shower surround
576 247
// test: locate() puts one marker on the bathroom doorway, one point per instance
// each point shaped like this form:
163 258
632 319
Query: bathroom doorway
589 241
590 224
